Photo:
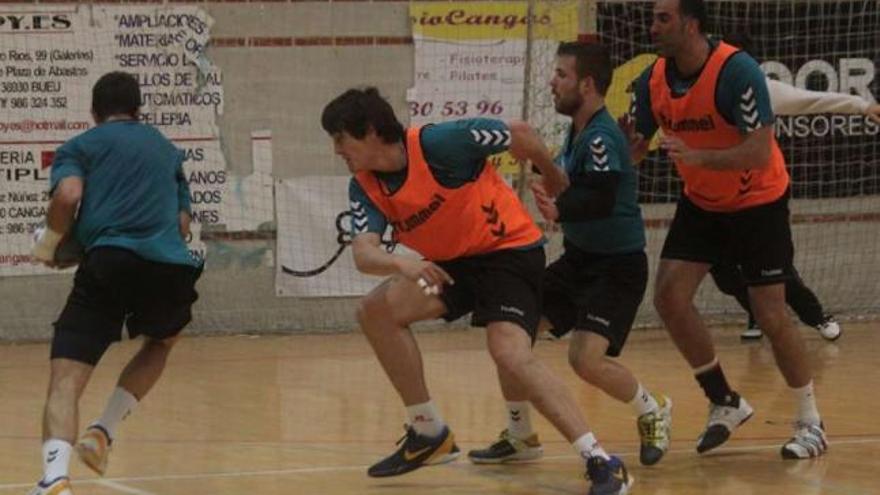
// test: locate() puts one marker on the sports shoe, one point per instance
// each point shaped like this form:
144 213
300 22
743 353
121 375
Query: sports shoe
416 451
93 449
752 332
58 486
829 329
508 449
654 431
808 441
608 477
721 423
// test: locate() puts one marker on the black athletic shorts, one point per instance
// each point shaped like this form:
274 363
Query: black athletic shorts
758 239
114 286
596 293
499 286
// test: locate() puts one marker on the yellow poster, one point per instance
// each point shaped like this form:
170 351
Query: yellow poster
494 20
471 58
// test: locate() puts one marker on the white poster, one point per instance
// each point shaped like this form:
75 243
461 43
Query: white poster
51 55
314 240
471 59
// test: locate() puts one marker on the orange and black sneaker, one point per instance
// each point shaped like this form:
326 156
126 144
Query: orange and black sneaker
93 448
416 451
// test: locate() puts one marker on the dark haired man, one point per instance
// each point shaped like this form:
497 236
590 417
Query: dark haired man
481 254
596 286
712 103
126 181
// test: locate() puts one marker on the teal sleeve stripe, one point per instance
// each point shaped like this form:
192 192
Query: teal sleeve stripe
458 150
365 215
742 96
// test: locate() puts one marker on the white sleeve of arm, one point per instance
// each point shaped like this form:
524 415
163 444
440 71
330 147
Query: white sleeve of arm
786 99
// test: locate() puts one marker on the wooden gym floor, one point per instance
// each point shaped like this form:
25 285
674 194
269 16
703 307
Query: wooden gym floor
308 414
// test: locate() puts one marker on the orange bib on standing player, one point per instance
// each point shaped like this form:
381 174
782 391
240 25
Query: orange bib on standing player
695 119
440 223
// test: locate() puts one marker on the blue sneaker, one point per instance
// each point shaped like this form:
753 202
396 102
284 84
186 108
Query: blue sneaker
608 477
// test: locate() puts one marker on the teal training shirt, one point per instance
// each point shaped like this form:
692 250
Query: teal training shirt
134 190
601 148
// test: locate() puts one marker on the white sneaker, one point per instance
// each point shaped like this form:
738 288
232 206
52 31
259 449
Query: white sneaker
829 329
58 486
808 441
721 423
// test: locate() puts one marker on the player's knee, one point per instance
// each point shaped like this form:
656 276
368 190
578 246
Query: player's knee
771 320
162 346
65 386
664 301
587 364
370 305
586 368
508 356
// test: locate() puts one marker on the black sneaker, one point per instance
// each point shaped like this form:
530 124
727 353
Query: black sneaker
752 332
508 449
608 477
416 451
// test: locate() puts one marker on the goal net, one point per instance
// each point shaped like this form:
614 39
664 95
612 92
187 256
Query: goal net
832 159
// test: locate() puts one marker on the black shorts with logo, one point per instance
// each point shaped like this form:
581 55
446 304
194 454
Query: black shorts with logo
114 286
757 238
598 293
499 286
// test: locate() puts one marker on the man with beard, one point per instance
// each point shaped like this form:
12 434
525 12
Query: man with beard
596 286
712 103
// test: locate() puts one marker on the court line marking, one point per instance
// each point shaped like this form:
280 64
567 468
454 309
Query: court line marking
330 469
122 488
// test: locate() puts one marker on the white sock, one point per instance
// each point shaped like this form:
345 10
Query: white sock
587 446
120 405
425 419
643 402
56 459
519 421
807 410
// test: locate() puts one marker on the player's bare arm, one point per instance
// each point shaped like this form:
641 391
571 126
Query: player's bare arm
526 145
638 145
752 152
873 113
371 258
59 219
545 203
